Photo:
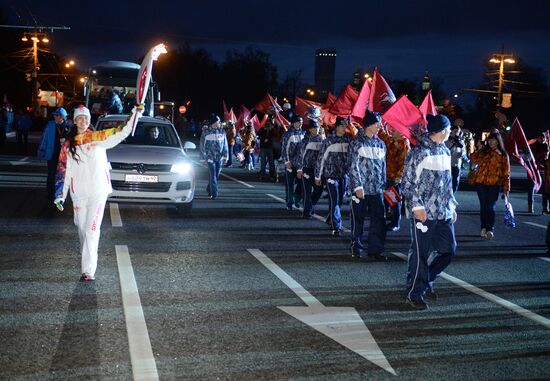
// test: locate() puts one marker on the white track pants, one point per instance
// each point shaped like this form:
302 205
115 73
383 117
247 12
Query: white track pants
88 214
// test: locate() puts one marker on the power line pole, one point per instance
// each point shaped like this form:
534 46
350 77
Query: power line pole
501 58
36 32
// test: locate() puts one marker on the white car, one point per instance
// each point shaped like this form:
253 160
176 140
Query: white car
151 166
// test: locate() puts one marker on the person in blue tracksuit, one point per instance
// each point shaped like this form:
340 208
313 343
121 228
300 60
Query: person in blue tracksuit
428 190
311 146
53 137
290 153
214 151
332 165
367 174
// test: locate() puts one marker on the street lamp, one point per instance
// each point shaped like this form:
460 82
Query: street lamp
35 39
500 59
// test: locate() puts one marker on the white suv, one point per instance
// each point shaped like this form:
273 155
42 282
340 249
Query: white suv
151 166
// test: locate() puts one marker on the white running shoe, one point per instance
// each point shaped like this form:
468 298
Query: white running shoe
489 235
483 232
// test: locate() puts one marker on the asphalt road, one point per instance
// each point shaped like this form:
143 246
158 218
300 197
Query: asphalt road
243 290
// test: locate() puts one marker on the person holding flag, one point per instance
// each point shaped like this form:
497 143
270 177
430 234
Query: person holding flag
290 153
332 164
309 153
367 173
427 188
493 172
83 171
214 151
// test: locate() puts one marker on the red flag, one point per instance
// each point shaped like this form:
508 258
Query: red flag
427 107
331 98
255 122
404 117
231 116
302 105
268 104
381 95
285 122
345 101
517 146
362 102
225 112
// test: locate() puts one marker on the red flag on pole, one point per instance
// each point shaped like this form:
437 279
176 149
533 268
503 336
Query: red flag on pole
231 116
302 105
362 102
331 98
225 112
345 101
427 107
268 104
381 95
255 122
517 146
404 117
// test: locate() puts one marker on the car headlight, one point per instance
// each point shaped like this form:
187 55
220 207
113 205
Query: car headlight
182 168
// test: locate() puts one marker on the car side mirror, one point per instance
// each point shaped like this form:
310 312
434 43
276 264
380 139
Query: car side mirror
189 145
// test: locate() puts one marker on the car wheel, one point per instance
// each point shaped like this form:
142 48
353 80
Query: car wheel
185 209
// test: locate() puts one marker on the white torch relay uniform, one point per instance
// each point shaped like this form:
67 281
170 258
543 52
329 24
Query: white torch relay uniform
86 178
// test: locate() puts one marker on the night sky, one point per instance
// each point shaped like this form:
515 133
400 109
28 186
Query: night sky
451 39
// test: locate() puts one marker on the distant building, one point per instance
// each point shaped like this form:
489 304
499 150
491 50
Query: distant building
325 69
426 85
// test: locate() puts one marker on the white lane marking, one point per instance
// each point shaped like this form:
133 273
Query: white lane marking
144 367
238 181
20 162
342 324
491 297
545 259
227 176
316 216
534 224
116 221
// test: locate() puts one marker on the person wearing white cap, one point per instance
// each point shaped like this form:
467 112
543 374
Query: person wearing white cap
83 171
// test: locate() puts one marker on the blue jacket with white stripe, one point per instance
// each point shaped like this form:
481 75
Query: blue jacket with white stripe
426 182
333 158
291 145
214 144
309 153
367 164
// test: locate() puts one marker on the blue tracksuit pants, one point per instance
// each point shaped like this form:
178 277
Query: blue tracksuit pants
336 188
432 248
377 227
214 169
312 192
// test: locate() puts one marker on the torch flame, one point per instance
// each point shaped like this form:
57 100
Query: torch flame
158 50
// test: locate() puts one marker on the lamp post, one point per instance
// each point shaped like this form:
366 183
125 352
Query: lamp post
501 58
35 38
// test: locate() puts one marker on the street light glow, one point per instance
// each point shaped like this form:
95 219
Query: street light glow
24 38
71 62
510 60
45 40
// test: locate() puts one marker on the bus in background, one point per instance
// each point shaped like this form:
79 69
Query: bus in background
111 89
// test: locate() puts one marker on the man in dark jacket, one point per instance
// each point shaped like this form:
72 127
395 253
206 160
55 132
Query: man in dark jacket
265 134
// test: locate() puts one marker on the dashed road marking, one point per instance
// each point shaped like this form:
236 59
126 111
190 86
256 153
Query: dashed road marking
491 297
144 367
116 221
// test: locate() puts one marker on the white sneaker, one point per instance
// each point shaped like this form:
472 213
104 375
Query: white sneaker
489 235
483 232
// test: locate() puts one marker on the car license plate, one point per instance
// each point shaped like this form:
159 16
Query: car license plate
141 179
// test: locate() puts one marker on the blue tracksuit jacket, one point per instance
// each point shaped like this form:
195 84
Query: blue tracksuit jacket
309 152
367 164
427 181
214 144
291 145
333 158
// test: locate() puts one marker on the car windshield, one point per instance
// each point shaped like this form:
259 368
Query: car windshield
147 133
